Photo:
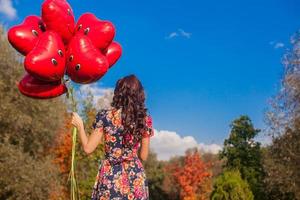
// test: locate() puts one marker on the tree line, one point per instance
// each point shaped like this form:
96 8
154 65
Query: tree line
35 147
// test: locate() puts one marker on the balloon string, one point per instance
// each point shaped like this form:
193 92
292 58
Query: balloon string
74 188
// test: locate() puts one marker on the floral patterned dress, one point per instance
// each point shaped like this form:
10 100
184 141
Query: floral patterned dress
121 175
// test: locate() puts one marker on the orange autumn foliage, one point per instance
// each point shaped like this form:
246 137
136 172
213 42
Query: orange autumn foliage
63 146
62 157
60 193
193 177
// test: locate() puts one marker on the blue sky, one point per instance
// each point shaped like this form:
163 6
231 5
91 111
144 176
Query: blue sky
202 63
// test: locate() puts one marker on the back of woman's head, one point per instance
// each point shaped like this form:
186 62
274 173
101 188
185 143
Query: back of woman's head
129 95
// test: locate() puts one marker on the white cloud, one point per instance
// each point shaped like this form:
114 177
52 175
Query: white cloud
172 35
277 45
102 96
179 33
185 34
168 143
7 9
209 148
104 101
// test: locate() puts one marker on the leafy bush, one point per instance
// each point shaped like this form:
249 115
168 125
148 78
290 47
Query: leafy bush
230 186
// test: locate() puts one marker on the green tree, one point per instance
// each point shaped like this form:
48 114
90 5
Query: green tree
242 153
230 186
155 176
23 177
27 130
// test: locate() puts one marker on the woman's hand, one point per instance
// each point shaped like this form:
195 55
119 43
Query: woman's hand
77 121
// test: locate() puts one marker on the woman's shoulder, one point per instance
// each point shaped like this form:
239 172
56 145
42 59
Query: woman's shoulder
100 119
101 112
101 115
107 113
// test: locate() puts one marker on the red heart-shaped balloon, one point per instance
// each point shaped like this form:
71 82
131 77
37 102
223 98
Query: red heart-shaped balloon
58 16
31 87
23 37
113 53
47 59
100 32
85 63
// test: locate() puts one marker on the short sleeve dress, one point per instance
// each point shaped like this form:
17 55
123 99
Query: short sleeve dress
121 175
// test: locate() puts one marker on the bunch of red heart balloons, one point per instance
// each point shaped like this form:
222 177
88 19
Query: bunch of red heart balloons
54 45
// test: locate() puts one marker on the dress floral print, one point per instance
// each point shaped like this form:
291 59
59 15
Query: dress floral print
121 175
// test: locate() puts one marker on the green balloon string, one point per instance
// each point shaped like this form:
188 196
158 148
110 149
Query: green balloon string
72 176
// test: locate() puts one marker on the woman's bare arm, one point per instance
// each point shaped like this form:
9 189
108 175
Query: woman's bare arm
144 148
90 143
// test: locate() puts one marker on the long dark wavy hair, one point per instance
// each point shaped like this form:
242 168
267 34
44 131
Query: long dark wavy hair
129 95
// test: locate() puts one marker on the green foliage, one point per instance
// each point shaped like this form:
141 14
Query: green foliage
27 130
155 175
26 178
242 153
230 186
